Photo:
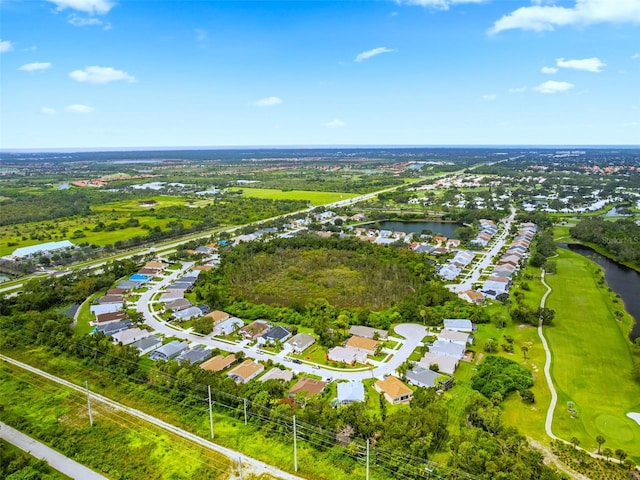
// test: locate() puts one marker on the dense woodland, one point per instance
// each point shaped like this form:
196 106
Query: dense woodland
621 238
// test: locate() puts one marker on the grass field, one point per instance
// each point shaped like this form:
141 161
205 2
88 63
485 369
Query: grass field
592 359
316 198
9 451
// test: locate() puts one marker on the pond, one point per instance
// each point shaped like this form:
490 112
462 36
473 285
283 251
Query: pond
623 280
438 228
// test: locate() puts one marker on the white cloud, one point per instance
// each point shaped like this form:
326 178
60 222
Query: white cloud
96 74
552 86
268 102
335 123
593 64
92 7
78 108
47 111
372 53
518 90
441 4
5 46
32 67
489 97
585 12
80 21
549 70
635 56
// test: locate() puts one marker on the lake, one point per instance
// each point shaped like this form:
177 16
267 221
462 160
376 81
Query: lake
438 228
623 280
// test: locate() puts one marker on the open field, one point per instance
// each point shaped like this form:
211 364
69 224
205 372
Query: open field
592 359
316 198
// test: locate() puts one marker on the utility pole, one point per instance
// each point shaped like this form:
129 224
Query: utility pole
86 384
367 478
245 410
210 411
295 446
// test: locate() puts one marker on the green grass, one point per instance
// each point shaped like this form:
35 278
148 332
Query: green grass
592 359
85 316
316 198
8 451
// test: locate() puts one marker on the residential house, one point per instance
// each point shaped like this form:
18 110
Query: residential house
109 317
422 377
277 374
116 291
459 324
219 363
112 327
453 243
449 349
126 337
107 308
368 332
218 316
158 267
178 305
350 392
254 329
246 371
394 391
227 327
169 351
170 296
195 355
127 285
300 342
439 241
497 284
445 364
472 296
187 314
275 334
307 387
463 338
365 345
147 344
346 355
449 272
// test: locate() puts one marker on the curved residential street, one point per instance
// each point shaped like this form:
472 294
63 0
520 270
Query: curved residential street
55 459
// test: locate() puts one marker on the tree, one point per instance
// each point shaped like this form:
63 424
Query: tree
546 315
607 452
600 440
621 454
575 441
525 350
629 464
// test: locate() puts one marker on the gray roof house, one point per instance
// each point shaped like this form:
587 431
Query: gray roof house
113 327
178 304
350 392
459 324
228 326
195 355
450 349
147 345
300 342
367 332
169 351
106 308
422 377
187 314
275 334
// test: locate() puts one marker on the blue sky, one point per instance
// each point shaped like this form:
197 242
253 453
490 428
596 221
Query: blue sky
156 73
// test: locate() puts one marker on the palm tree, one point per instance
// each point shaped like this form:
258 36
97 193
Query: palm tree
575 442
600 439
621 454
525 349
607 452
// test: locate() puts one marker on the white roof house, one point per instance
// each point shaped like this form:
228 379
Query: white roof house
127 337
350 392
300 342
454 336
169 351
445 364
106 308
277 374
346 355
187 314
368 332
228 326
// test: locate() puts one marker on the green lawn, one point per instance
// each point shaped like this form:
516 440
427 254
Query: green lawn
316 198
592 359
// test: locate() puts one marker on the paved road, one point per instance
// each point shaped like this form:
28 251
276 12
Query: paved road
55 459
249 464
547 365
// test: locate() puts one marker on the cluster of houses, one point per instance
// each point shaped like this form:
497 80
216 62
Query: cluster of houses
181 308
364 341
487 231
500 279
453 268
